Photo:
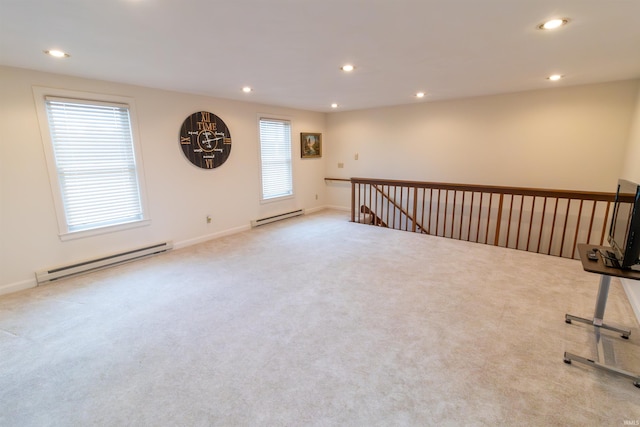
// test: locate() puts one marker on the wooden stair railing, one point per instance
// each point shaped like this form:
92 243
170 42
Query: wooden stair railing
545 221
416 226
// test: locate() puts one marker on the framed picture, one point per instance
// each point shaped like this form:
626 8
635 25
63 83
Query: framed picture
310 145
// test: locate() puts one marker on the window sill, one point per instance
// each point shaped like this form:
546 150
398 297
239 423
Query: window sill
72 235
276 199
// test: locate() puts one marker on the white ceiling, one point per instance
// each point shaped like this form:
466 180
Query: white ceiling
290 51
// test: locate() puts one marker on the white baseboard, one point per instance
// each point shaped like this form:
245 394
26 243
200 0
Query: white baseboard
632 289
205 238
314 210
17 286
338 208
326 207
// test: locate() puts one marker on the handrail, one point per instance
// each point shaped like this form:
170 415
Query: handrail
338 179
540 192
533 219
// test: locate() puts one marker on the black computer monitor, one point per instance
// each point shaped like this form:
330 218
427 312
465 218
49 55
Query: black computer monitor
624 232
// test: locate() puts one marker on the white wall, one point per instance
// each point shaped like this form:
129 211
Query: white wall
180 195
631 169
561 138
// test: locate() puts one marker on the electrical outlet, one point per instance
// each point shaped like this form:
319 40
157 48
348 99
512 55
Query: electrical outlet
340 165
316 197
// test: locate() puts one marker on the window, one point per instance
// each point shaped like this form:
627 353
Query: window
275 156
91 156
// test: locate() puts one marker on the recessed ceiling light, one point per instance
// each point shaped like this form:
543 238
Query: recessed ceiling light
552 24
334 105
420 95
347 67
247 89
555 77
57 53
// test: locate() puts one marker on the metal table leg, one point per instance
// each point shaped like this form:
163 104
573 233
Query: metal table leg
601 304
597 322
600 363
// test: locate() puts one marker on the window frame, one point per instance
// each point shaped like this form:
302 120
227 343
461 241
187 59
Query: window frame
40 95
276 118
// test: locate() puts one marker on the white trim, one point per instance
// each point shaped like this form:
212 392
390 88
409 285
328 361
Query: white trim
72 235
18 286
273 199
202 239
40 96
339 208
309 211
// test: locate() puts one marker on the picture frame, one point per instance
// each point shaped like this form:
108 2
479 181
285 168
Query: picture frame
310 145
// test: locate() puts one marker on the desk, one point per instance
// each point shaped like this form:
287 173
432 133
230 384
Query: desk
601 302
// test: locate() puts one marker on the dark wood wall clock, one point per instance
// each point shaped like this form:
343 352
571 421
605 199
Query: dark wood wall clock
205 140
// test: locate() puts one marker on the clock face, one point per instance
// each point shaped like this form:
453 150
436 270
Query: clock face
205 140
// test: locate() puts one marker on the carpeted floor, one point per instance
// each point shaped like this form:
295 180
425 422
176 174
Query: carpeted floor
316 321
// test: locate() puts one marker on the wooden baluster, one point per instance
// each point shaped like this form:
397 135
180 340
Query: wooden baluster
544 214
453 212
533 209
359 204
438 213
353 201
388 193
401 209
496 241
424 196
519 221
564 226
431 209
575 239
486 233
509 225
446 204
479 217
593 215
473 196
553 225
395 193
415 208
464 194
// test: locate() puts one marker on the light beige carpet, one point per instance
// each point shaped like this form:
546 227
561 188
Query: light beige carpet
316 321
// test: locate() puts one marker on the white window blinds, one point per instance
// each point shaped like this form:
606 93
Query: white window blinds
95 162
275 154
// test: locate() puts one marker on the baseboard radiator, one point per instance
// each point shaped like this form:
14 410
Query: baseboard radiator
100 263
263 221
